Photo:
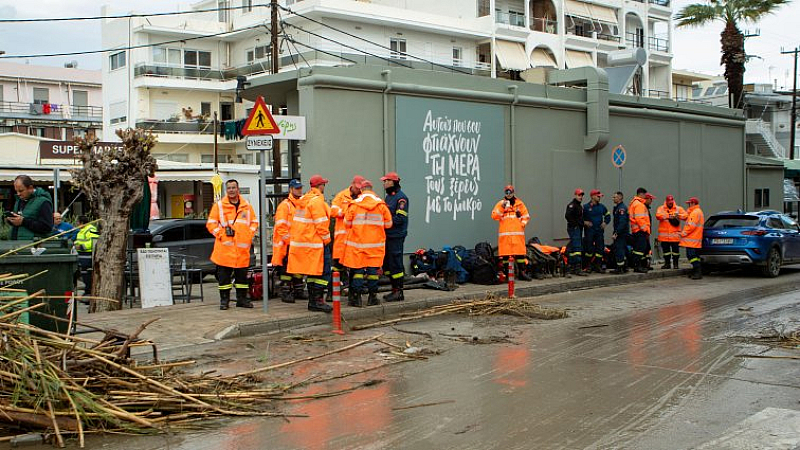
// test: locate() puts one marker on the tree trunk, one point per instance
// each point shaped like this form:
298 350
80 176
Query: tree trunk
733 58
113 182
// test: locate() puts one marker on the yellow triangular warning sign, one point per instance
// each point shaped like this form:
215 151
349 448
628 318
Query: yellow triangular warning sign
260 120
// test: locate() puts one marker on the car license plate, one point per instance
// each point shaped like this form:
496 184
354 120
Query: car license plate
726 241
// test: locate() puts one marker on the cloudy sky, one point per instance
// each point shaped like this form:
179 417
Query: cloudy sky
694 49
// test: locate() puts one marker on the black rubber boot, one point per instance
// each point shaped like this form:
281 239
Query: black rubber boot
316 300
697 272
667 264
354 298
578 271
242 301
397 292
286 294
372 300
299 291
224 299
674 262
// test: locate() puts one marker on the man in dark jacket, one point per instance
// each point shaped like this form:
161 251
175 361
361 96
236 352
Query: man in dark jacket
574 216
622 229
32 216
393 266
595 218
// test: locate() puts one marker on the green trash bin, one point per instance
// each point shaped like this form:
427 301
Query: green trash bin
59 267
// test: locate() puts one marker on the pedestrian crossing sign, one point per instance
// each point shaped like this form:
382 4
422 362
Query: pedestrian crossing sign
260 120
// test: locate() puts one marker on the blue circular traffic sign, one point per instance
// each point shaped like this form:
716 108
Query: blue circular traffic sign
618 156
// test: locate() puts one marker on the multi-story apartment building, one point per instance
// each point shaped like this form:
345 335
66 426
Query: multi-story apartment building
174 88
49 102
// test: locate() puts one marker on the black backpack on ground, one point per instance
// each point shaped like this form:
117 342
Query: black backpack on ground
481 264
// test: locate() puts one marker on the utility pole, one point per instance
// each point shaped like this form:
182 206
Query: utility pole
276 148
793 126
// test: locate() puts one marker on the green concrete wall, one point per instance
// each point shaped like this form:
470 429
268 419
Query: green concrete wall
678 149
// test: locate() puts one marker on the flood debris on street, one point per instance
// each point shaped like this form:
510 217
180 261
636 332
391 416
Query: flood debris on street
491 305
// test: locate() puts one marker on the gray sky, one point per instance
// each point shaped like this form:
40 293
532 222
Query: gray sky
694 49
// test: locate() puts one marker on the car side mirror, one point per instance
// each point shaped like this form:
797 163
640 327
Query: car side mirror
158 238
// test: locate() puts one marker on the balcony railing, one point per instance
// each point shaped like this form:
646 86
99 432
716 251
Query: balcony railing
664 3
634 40
608 37
658 44
513 19
591 34
51 111
155 70
544 25
655 93
164 126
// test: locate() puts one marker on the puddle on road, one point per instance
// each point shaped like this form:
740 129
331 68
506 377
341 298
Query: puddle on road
568 386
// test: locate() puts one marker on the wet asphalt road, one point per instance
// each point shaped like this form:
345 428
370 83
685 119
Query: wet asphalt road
661 375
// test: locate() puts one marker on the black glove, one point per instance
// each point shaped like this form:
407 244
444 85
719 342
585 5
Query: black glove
674 222
519 214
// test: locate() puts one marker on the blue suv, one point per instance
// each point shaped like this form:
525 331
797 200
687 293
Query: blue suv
764 239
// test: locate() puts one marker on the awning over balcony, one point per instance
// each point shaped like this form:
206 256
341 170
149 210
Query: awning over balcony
540 58
603 14
578 59
511 55
577 9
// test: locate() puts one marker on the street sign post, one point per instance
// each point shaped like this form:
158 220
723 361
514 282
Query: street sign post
618 157
259 128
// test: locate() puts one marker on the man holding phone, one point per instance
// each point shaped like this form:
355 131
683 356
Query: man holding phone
32 216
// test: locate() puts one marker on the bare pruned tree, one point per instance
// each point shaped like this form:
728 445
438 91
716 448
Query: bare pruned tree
113 179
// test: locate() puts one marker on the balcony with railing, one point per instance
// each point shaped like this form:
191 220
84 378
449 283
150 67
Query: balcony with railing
634 39
51 111
658 44
587 32
173 127
664 3
198 73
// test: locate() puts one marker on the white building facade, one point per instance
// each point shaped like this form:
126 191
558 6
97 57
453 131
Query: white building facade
175 88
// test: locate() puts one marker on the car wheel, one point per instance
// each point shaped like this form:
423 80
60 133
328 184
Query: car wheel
772 268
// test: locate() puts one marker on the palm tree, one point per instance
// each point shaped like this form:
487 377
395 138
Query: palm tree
732 13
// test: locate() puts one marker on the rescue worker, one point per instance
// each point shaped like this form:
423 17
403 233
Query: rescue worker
669 216
692 236
83 245
309 236
621 234
648 202
574 216
640 228
595 219
513 217
233 222
338 207
367 220
393 266
292 286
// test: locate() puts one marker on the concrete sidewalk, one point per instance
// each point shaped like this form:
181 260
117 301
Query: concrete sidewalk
195 323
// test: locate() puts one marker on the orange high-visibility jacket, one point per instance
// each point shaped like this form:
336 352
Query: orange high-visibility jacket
367 219
280 234
546 249
639 216
338 208
309 234
232 251
511 236
692 234
668 232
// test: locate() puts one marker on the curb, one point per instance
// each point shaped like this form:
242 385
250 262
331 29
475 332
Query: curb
390 310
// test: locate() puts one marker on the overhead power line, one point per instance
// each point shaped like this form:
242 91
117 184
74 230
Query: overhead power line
132 16
371 42
131 47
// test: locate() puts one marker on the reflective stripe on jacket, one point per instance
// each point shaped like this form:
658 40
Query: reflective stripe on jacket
511 233
639 216
338 208
668 232
309 234
232 251
280 234
692 234
367 219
